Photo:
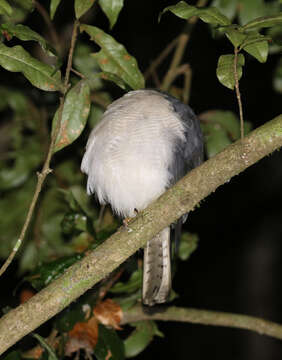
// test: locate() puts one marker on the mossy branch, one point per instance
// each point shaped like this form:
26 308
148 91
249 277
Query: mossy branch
180 199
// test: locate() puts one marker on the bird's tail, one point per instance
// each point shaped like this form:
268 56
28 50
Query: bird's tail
157 269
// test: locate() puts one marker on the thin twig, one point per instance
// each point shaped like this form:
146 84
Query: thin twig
238 95
69 65
179 51
181 70
160 58
156 79
99 100
206 317
175 42
54 36
46 167
109 284
77 73
101 215
187 84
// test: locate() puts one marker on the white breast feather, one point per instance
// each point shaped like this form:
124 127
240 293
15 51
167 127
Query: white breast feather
129 151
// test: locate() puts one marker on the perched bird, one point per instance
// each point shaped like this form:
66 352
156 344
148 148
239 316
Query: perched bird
145 142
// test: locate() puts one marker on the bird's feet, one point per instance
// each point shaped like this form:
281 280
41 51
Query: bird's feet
127 220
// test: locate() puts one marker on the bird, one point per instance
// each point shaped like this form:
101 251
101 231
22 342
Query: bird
144 143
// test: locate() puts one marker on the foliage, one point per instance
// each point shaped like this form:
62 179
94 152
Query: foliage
66 222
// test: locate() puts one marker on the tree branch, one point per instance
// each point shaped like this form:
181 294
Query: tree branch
206 317
180 199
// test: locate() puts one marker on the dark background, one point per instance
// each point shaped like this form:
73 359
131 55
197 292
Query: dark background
237 265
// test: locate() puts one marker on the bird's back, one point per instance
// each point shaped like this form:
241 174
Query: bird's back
131 152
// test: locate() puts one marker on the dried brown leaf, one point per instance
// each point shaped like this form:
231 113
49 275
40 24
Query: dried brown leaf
109 313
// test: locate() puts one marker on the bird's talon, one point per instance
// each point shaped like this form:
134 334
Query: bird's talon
126 221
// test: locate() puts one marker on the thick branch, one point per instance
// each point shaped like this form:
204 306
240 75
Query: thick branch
178 200
206 317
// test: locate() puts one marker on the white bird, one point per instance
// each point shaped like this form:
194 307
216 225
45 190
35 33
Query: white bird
145 142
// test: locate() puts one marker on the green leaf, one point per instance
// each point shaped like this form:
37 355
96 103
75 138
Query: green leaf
78 200
96 113
52 244
13 355
84 63
263 22
78 220
182 10
11 221
220 128
112 9
29 257
226 7
24 152
117 80
133 284
226 120
41 75
5 8
113 58
25 4
44 274
24 33
257 46
250 9
74 116
216 139
81 6
108 343
225 69
28 159
277 77
209 15
275 33
235 36
247 127
126 302
74 222
188 244
53 7
140 338
213 16
73 314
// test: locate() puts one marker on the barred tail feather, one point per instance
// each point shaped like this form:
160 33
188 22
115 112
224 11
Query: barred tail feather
157 269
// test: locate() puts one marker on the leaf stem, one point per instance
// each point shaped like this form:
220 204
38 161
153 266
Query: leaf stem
238 94
72 46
